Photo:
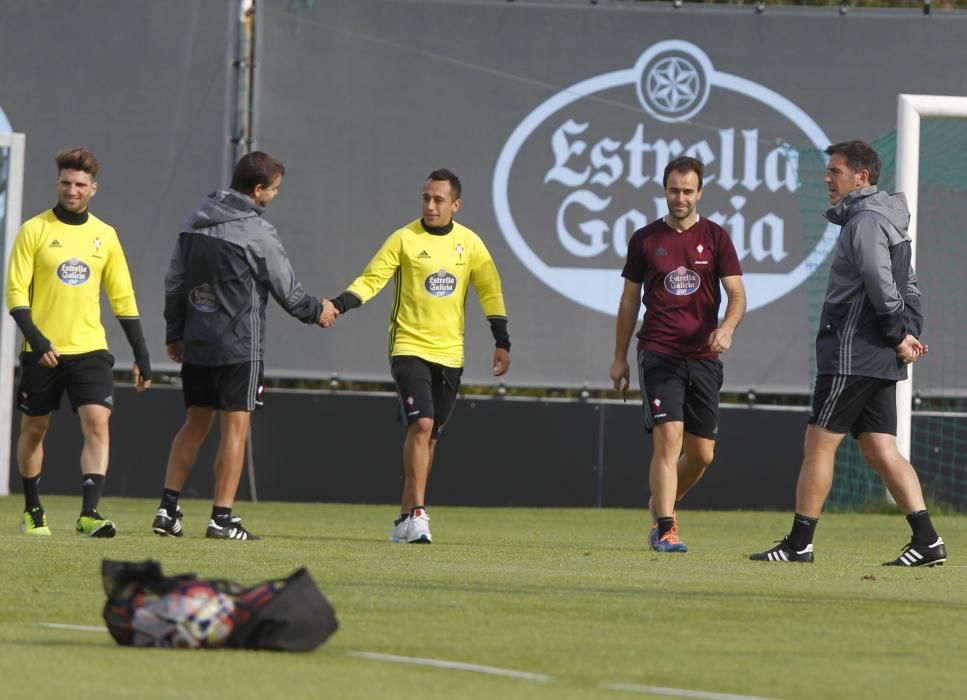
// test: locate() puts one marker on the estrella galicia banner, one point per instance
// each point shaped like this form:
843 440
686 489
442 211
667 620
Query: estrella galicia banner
558 117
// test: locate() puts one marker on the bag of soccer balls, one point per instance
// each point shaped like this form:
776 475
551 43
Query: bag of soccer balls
145 608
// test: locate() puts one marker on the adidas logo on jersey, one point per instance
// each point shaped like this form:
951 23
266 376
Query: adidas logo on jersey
660 251
423 255
55 244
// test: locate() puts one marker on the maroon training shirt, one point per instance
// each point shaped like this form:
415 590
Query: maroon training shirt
680 275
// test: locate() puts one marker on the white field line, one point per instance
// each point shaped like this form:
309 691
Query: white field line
678 692
64 626
489 670
455 665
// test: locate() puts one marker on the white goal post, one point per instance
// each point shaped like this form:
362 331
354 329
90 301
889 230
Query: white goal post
11 199
910 109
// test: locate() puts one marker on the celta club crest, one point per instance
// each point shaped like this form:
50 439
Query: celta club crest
595 190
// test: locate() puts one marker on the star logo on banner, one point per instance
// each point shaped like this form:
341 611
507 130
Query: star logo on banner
674 84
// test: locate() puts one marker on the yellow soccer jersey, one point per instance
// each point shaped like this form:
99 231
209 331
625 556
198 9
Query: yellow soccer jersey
432 275
56 269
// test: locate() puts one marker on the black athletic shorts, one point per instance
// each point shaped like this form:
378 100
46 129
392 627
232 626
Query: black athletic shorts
236 387
849 404
88 379
679 389
426 389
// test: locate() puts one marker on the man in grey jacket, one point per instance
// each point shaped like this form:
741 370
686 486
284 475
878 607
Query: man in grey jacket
227 261
868 334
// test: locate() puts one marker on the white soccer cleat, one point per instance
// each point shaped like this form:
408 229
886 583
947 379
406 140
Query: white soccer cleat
418 531
400 527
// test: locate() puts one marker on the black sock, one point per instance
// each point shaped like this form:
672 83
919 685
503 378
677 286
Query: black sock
220 514
665 525
922 526
803 529
31 494
169 501
416 508
91 487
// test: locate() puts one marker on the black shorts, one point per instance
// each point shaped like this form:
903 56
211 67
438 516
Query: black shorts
236 387
849 404
88 379
679 389
426 389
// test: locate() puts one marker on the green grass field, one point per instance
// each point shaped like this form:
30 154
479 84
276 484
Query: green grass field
574 595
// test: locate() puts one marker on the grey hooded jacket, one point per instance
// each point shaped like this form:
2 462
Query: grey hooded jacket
227 260
872 300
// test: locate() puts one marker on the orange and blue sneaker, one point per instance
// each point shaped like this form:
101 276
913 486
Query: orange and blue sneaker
34 523
669 542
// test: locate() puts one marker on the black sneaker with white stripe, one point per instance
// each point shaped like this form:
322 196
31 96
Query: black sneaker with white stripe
166 525
230 530
784 552
921 555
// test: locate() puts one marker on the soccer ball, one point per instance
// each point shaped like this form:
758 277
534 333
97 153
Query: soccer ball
193 614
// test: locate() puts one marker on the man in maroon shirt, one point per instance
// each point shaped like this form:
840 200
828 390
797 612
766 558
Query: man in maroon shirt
674 266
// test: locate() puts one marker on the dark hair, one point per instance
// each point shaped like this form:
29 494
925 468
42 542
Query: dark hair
255 168
77 158
859 155
444 174
684 164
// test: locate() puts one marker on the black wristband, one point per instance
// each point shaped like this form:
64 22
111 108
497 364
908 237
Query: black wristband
347 301
132 330
25 322
498 327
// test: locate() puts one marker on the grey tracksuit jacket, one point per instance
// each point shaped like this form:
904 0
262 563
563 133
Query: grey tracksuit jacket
227 260
872 300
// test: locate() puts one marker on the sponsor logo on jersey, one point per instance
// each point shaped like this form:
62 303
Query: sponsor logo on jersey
203 298
441 284
587 179
74 272
423 255
682 281
661 251
55 244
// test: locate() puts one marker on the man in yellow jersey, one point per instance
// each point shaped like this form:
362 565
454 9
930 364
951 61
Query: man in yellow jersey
432 260
58 263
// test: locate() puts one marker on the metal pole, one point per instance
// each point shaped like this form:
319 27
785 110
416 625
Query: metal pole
250 466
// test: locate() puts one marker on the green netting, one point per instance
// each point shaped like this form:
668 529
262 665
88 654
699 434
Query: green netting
939 430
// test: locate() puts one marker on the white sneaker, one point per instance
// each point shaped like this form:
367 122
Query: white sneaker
418 531
400 527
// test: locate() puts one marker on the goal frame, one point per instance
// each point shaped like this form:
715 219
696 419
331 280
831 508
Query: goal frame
15 144
910 110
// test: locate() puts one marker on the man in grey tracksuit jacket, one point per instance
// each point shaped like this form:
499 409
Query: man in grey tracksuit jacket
868 333
872 300
226 263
